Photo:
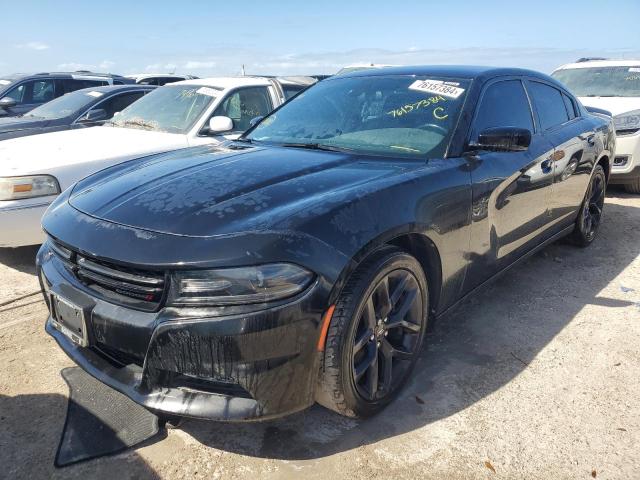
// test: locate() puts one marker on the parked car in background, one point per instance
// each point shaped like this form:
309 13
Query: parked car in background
84 108
34 170
356 67
301 262
159 79
21 93
614 86
291 86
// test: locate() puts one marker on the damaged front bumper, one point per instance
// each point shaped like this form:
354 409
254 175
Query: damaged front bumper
202 363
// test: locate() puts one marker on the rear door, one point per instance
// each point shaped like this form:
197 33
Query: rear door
574 152
511 190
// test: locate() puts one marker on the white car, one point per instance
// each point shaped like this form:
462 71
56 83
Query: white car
612 85
34 170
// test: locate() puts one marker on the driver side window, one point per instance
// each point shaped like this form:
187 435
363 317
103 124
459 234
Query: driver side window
244 105
503 104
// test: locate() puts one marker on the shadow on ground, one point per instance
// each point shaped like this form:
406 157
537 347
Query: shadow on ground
22 259
469 355
30 429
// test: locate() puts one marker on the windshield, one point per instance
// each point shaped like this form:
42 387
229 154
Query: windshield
388 115
601 81
172 109
66 105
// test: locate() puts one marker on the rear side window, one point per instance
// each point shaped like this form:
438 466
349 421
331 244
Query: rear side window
549 104
571 108
504 104
291 90
71 85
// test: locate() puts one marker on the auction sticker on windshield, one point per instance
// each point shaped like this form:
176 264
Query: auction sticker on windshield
5 82
438 87
95 94
207 91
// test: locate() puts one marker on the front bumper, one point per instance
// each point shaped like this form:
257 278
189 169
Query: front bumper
197 363
21 222
627 151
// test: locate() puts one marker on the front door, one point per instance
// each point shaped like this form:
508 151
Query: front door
511 190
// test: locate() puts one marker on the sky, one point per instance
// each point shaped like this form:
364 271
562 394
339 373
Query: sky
209 38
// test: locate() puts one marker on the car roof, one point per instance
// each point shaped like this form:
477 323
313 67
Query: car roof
79 73
139 76
116 88
600 63
226 82
458 71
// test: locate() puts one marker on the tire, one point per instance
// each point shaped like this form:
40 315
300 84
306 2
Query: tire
170 422
359 337
590 216
634 186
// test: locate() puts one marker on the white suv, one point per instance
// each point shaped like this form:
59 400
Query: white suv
612 85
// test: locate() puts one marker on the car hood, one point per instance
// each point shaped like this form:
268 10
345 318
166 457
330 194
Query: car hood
50 151
615 105
12 124
214 190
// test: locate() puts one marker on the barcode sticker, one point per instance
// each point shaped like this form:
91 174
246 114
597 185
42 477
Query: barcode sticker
437 87
635 69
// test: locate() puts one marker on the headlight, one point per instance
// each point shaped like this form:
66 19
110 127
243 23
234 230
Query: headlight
236 286
627 121
15 188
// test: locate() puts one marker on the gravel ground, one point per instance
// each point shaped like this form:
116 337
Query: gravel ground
536 378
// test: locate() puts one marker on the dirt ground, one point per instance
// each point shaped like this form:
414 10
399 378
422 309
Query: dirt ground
536 378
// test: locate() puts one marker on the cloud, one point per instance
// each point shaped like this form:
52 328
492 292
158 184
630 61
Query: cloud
197 65
33 46
73 66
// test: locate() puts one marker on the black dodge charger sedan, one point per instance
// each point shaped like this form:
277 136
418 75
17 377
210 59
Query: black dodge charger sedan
301 263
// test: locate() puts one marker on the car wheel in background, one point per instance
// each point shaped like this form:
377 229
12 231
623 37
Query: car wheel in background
634 186
590 216
375 334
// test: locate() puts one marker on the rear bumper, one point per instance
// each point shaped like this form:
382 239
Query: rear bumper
208 364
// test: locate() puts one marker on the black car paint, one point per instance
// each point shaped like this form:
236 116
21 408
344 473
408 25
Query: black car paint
466 217
15 127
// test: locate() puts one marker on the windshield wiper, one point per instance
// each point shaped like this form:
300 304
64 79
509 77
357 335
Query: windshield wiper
317 146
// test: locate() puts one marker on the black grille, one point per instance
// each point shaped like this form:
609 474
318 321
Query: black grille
131 287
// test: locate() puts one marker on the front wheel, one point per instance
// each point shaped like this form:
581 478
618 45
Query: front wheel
375 334
590 217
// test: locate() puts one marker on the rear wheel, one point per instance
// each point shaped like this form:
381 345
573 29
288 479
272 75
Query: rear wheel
634 186
375 334
590 216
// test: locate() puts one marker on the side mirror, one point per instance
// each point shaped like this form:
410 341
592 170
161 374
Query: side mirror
7 102
503 139
94 115
220 124
255 120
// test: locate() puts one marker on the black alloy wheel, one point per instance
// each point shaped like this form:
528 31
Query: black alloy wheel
387 334
375 334
590 217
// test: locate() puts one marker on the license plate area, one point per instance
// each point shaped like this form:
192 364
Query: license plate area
68 318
